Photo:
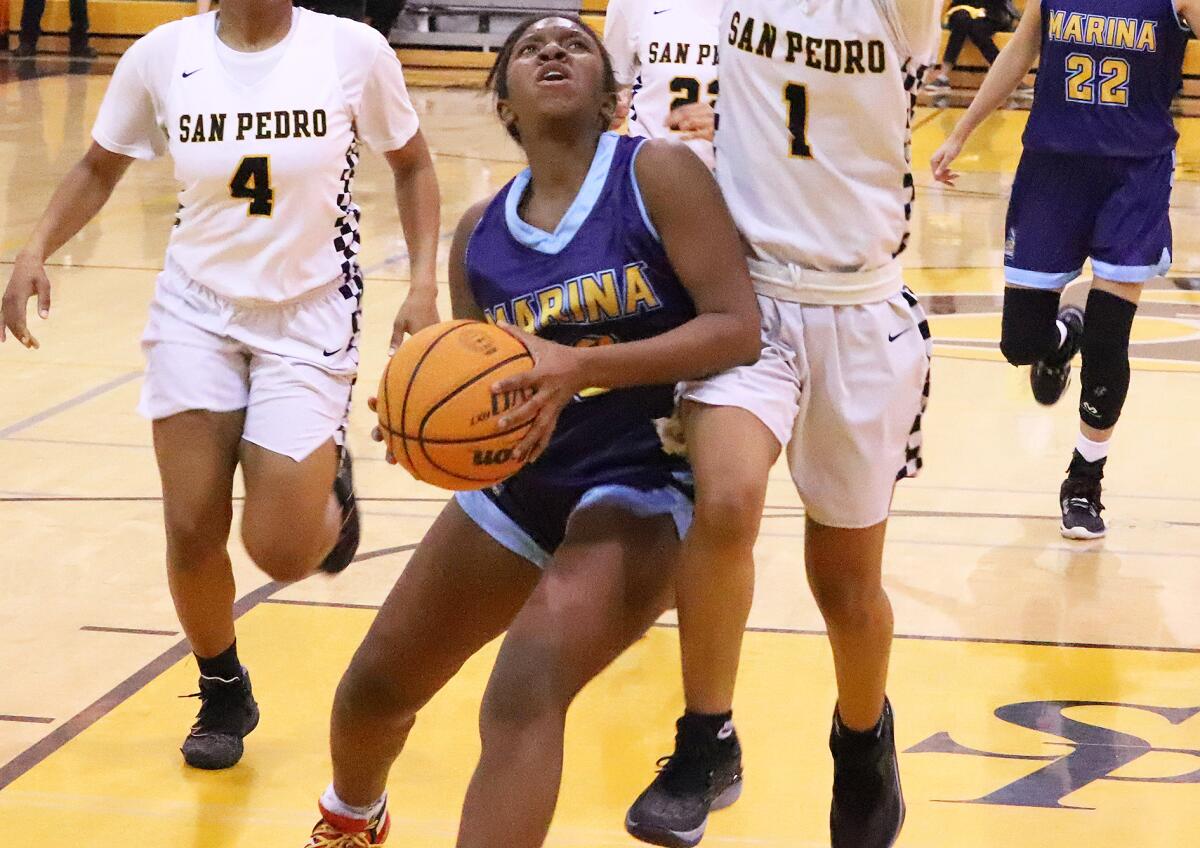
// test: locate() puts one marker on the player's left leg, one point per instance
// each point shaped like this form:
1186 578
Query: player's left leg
300 512
858 433
1131 245
845 572
608 582
291 519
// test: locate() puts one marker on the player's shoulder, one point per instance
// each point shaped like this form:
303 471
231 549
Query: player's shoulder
163 40
664 167
351 37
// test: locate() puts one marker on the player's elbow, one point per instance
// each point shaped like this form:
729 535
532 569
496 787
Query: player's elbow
745 343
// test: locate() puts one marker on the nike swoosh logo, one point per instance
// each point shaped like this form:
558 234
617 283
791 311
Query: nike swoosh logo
660 11
330 352
898 335
187 74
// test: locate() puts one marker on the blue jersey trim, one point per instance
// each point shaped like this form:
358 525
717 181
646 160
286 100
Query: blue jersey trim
644 503
496 523
1133 273
637 192
577 214
1039 279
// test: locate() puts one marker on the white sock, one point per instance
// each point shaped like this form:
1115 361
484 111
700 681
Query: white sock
333 804
1089 450
1062 334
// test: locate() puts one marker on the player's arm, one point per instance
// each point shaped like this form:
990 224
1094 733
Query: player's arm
698 233
419 202
1010 68
462 301
1189 13
81 194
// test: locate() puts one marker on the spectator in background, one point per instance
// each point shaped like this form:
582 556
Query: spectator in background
31 29
978 20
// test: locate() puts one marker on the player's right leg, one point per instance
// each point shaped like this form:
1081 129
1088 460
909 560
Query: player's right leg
459 591
196 392
754 408
1051 216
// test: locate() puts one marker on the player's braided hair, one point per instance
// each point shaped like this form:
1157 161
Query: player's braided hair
497 79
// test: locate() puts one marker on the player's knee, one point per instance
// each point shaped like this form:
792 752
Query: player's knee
848 600
1028 331
195 536
1105 377
281 555
368 689
523 694
729 514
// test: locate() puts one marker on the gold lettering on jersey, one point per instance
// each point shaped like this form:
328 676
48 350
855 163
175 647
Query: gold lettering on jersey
587 299
297 123
1103 31
832 55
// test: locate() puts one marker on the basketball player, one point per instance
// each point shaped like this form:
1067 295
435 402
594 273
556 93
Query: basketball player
665 58
1094 182
574 555
813 159
252 342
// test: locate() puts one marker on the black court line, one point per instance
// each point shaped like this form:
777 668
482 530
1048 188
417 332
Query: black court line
781 510
975 640
130 686
27 719
84 719
95 628
90 394
799 631
328 604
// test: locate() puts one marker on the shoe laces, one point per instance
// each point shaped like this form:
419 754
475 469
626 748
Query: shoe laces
216 702
686 770
325 835
1083 493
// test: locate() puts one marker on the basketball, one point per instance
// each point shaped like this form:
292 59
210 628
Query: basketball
436 407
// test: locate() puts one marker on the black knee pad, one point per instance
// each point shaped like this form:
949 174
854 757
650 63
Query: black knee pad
1106 328
1028 332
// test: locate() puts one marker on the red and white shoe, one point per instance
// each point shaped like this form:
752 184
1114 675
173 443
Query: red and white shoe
334 831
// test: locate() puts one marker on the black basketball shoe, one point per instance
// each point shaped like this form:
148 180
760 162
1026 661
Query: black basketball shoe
868 803
1079 498
1050 377
704 774
348 538
228 712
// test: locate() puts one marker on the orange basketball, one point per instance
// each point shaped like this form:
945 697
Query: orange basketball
437 411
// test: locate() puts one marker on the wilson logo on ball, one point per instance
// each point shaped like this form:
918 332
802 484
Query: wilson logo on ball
493 457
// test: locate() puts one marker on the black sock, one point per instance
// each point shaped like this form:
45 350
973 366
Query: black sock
224 665
710 725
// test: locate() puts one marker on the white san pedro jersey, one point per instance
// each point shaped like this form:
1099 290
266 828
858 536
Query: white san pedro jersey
264 144
813 140
666 50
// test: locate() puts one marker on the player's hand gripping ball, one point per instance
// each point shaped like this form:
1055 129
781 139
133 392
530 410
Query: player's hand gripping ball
437 411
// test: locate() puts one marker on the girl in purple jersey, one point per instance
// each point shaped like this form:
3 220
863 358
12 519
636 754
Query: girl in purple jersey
574 555
1094 183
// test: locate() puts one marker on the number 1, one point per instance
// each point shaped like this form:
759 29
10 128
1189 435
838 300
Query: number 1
796 96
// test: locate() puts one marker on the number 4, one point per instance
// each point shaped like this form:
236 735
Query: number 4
252 181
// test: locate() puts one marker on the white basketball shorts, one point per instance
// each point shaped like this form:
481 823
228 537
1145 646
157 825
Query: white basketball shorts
843 388
290 366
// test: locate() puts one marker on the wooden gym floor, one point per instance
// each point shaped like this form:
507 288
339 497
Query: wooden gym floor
1047 692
